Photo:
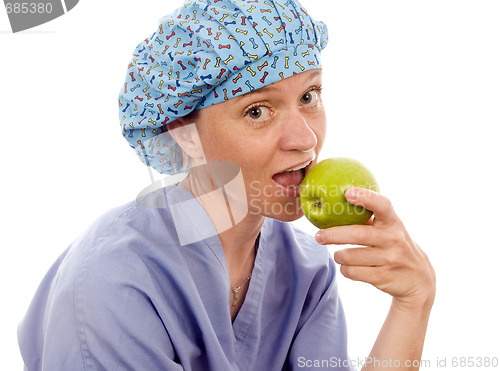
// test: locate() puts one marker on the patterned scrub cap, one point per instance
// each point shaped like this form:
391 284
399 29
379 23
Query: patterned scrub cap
206 52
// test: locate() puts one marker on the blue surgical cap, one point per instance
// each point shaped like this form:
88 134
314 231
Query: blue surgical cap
207 52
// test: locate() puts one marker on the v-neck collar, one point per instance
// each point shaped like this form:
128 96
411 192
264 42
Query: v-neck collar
194 224
253 298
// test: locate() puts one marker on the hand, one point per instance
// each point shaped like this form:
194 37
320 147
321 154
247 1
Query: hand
389 259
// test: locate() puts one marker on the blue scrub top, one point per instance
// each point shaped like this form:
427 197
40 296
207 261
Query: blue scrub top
127 296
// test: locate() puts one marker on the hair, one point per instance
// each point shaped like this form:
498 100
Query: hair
191 116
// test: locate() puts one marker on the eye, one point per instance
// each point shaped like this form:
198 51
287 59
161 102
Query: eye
310 97
255 113
258 113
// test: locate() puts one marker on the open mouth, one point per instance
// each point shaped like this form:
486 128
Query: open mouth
291 179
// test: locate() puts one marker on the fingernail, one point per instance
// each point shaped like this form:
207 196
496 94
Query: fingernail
319 237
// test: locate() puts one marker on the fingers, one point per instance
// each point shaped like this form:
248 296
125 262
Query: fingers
367 235
360 256
371 275
390 260
379 204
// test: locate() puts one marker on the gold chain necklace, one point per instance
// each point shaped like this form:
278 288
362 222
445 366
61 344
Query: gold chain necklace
236 290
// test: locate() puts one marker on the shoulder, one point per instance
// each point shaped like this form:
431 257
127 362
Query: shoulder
121 226
101 281
118 248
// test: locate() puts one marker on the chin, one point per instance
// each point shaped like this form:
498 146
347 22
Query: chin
286 218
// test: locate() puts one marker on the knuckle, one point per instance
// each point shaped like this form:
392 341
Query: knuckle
362 235
378 277
386 204
346 270
393 257
396 240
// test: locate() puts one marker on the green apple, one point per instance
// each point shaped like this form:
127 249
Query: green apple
322 192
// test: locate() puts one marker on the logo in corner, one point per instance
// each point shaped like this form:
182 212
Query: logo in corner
27 14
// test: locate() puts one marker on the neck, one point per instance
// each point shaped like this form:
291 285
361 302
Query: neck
238 244
237 239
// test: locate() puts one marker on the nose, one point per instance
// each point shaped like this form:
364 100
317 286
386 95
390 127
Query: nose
297 134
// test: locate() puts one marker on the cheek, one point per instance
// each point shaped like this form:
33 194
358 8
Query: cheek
251 156
321 137
318 125
217 146
253 152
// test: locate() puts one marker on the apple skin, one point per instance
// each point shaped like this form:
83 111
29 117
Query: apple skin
322 192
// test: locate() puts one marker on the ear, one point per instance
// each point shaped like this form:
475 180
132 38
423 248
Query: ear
185 134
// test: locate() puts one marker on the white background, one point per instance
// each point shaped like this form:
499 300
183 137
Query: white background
412 90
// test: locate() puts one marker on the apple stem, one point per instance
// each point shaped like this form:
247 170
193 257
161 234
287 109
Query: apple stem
317 203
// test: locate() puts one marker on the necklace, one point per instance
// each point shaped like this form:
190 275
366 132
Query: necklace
237 289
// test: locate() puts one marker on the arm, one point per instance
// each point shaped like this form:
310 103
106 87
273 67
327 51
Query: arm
119 325
392 262
95 318
401 338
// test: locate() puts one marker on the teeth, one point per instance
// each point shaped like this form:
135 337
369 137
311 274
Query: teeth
299 167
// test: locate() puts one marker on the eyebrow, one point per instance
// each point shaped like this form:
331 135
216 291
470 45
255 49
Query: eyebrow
271 87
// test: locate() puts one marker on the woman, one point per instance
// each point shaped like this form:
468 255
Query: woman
206 274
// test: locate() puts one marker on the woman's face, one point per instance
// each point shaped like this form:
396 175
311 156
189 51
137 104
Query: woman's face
268 132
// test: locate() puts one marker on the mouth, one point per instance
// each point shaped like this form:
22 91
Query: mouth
290 179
